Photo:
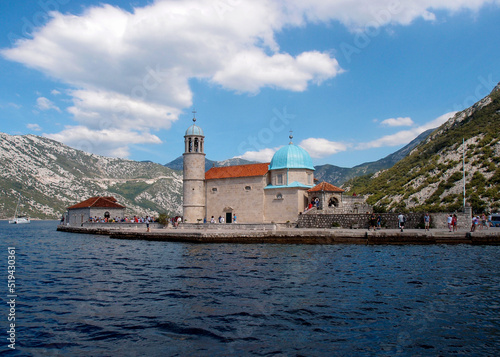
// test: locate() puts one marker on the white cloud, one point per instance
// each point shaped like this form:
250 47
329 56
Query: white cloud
136 66
34 127
251 70
405 136
358 15
55 92
263 155
11 105
438 121
406 121
43 103
99 109
319 147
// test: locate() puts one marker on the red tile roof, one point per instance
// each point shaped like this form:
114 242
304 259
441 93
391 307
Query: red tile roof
237 171
98 202
325 186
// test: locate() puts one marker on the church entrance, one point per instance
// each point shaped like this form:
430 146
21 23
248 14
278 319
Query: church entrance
229 217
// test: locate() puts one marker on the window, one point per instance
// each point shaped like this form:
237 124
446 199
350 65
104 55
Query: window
247 188
309 179
214 189
333 202
279 196
279 179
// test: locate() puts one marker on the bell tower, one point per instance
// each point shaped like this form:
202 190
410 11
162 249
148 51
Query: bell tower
194 173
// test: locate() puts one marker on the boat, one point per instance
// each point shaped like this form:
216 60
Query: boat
19 219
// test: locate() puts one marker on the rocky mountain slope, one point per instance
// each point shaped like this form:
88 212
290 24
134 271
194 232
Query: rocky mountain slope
431 177
50 176
338 175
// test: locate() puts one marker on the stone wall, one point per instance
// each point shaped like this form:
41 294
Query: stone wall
121 225
389 220
440 220
231 226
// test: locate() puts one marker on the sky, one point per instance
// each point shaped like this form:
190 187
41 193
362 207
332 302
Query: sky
351 81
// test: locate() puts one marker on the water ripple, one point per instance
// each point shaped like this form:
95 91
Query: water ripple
84 295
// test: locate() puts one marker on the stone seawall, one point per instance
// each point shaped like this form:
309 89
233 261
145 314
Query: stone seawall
300 236
389 220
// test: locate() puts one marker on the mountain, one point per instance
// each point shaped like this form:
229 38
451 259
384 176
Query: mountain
50 176
430 178
338 175
177 164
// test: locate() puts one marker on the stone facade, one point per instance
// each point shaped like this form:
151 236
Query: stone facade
78 216
194 200
194 186
284 204
240 196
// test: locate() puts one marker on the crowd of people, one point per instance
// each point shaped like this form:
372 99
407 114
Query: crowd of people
480 222
134 219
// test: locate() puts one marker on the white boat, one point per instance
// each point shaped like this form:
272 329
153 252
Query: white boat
19 219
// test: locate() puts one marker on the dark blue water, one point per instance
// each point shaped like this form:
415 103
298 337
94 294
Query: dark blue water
83 295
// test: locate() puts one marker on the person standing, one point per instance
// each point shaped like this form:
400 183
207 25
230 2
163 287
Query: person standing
401 221
474 223
484 221
427 221
450 219
454 223
373 222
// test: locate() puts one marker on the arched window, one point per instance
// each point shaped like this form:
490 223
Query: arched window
333 202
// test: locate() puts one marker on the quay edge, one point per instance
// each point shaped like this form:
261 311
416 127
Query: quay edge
297 236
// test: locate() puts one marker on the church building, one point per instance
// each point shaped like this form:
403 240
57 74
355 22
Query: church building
256 193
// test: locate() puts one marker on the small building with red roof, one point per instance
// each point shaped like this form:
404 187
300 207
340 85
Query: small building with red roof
98 206
331 200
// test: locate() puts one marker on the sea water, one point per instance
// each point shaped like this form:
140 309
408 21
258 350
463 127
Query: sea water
86 295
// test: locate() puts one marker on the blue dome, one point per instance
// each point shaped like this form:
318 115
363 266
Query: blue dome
194 130
291 157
